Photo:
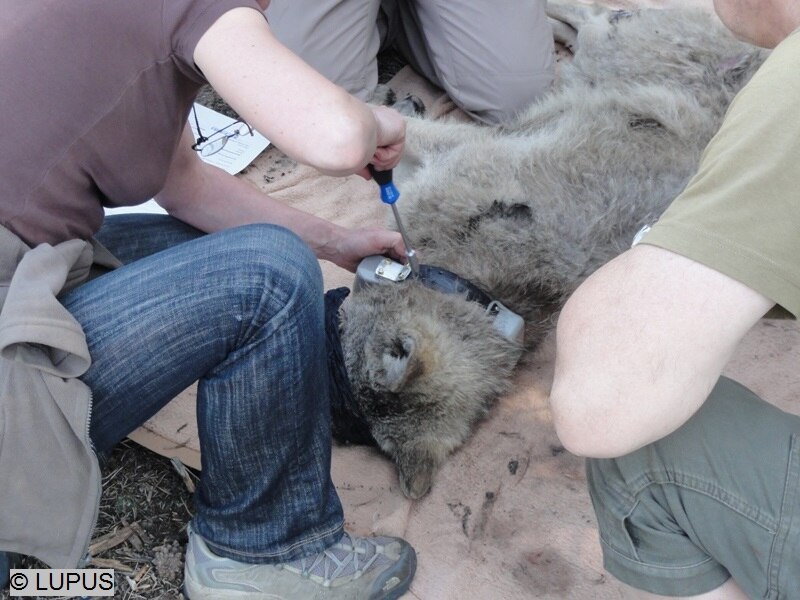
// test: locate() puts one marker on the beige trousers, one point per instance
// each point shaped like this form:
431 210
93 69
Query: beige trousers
492 58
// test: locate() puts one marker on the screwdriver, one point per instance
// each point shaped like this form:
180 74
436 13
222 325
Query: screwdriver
390 195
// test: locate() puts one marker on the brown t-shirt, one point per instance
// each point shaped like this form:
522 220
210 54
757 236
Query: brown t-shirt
94 95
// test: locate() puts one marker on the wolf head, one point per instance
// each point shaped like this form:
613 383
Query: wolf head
425 366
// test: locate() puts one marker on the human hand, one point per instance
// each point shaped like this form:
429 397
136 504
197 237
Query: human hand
352 245
391 137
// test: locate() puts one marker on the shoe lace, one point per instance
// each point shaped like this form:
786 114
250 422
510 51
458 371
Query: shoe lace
350 557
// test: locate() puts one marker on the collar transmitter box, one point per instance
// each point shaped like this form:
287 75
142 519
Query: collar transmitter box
380 270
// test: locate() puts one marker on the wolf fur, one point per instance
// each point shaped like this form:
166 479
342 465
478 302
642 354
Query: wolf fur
527 211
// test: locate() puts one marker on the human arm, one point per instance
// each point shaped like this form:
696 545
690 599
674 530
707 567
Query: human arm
210 199
302 113
644 339
639 346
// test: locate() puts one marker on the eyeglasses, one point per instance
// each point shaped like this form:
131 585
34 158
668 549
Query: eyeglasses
212 144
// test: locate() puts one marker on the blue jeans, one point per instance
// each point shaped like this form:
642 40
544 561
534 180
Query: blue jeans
241 312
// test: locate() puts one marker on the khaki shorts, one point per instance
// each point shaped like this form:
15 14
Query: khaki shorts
719 497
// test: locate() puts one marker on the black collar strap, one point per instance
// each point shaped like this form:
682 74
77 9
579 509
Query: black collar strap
447 282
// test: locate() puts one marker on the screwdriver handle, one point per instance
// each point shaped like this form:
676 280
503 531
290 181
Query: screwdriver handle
389 193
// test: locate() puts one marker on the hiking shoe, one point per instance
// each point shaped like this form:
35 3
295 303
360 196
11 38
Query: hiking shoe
376 568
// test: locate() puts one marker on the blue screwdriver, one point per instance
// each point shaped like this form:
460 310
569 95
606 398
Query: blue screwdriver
390 195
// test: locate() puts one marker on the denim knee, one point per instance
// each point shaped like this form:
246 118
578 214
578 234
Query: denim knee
184 309
284 260
274 240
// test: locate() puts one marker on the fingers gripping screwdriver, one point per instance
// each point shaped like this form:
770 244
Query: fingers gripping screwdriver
389 195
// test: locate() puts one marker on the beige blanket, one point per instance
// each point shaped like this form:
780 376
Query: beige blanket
508 517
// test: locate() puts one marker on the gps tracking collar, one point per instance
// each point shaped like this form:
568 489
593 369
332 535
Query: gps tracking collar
384 271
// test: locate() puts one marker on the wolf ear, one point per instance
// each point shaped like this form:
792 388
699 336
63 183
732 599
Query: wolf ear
737 69
400 362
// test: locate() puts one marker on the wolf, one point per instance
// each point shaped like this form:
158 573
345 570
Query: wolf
526 212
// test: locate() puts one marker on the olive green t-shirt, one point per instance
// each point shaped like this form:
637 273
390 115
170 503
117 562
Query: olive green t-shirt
94 95
740 214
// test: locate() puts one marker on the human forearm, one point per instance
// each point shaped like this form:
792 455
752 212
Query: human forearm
302 113
211 199
640 345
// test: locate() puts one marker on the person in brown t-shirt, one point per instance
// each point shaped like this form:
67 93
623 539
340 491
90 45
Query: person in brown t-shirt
226 290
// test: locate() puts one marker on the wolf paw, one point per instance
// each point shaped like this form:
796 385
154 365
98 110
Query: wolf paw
410 106
383 95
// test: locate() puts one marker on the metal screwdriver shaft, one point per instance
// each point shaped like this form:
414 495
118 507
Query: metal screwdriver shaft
410 253
389 195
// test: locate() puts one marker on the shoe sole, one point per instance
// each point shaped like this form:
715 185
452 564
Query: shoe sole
192 590
402 587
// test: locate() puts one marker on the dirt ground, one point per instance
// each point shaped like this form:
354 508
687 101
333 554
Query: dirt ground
144 509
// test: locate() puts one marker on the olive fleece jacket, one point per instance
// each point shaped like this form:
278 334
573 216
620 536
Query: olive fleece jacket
49 472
